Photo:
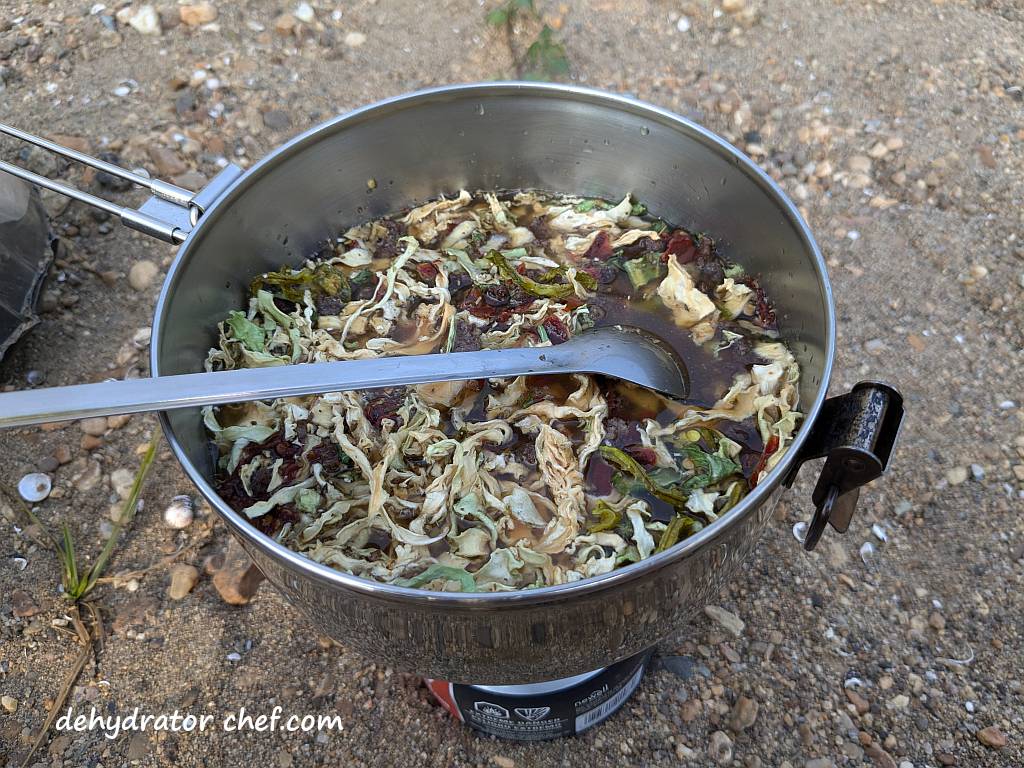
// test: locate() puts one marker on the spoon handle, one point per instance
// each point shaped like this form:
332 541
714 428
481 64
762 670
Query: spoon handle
191 390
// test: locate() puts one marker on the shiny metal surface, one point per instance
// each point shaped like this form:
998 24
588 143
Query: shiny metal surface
504 135
160 227
625 353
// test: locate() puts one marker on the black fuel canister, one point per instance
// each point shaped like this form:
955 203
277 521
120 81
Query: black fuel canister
548 710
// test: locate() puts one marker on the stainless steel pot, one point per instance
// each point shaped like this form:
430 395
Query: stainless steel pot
403 151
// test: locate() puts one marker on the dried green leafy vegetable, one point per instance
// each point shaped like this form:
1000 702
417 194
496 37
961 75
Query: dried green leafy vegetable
321 280
488 485
438 571
244 330
710 467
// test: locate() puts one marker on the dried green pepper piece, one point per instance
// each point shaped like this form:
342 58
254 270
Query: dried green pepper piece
608 518
534 288
680 527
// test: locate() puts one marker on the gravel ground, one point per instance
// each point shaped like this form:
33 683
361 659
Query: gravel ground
897 126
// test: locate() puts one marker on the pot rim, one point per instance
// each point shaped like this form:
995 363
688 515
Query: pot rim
541 595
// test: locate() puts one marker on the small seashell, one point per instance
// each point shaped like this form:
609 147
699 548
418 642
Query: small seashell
20 563
800 531
853 682
879 532
34 487
867 551
179 512
234 656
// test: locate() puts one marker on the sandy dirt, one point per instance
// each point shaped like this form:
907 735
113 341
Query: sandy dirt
898 127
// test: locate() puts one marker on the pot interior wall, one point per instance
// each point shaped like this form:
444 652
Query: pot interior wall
403 153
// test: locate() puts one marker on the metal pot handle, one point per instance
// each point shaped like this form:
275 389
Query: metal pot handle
169 215
857 432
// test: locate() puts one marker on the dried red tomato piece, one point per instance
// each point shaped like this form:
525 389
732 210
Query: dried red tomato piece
384 405
427 270
681 245
769 449
558 332
600 248
644 455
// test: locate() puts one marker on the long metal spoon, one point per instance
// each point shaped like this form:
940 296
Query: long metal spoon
622 352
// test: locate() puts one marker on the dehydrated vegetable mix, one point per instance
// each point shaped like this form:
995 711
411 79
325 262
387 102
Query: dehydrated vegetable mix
502 484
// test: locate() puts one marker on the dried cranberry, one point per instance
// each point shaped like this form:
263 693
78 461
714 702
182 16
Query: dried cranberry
457 281
284 305
471 299
496 295
285 449
540 230
710 272
681 245
427 271
387 246
467 338
557 331
604 274
329 305
600 248
259 481
328 456
642 246
518 296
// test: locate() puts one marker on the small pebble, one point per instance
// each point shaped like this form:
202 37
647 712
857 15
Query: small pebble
355 39
96 426
977 472
48 465
142 274
146 20
304 13
744 713
956 475
122 480
34 487
683 25
9 703
728 620
879 532
34 378
992 737
277 119
183 579
720 748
